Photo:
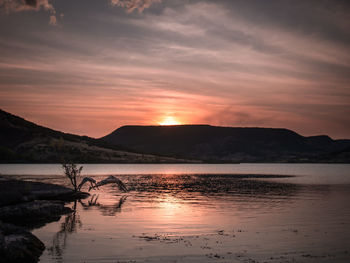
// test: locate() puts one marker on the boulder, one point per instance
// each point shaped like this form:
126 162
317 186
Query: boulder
16 191
38 211
18 245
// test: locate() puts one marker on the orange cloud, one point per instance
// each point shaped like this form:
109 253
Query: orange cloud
131 5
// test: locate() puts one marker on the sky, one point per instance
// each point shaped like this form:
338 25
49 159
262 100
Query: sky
90 66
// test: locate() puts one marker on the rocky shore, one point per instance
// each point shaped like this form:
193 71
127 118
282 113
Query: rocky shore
26 205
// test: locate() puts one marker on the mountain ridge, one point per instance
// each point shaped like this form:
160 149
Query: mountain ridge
22 141
230 144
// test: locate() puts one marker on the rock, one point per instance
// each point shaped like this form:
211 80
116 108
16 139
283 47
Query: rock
18 245
15 191
38 211
32 205
8 197
68 197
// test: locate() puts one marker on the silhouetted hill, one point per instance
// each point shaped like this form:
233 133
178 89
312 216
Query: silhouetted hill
24 141
229 144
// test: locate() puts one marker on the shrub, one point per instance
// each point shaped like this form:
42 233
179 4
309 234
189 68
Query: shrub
72 172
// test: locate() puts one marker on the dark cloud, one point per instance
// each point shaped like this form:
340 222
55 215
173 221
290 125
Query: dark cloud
23 5
32 3
10 6
328 19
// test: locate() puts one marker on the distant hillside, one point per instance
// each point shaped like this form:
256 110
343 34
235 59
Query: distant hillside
24 141
228 144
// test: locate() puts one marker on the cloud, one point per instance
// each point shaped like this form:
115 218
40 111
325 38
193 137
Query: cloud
12 6
218 62
24 5
9 6
53 20
131 5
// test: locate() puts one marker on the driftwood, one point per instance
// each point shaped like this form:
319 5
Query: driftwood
109 180
85 180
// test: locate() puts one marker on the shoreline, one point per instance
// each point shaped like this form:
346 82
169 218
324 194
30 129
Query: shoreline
24 206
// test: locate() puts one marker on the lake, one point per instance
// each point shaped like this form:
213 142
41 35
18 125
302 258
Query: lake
201 213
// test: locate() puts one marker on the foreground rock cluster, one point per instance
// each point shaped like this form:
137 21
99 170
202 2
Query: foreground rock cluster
18 245
26 205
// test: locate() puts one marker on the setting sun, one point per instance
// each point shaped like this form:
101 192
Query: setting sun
169 120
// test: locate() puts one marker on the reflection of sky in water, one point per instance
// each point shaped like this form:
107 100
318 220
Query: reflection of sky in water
204 218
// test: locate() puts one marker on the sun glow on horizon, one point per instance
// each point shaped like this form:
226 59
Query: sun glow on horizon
169 120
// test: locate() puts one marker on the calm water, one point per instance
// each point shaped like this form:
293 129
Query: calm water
202 213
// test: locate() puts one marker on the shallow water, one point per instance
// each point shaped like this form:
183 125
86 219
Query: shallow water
203 213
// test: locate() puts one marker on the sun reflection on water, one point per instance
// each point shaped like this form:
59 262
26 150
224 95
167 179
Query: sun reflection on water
165 215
